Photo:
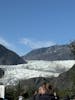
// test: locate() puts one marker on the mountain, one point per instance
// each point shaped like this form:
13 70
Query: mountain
67 79
56 52
8 57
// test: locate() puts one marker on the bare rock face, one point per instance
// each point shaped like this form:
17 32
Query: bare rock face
1 73
8 57
57 52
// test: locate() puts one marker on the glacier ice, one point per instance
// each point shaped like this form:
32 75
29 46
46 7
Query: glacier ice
34 68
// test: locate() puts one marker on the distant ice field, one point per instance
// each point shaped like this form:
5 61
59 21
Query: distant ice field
34 68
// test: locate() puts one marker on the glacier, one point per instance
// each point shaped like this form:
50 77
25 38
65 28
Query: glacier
34 68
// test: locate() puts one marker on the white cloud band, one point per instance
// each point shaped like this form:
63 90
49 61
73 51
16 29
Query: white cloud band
4 42
36 44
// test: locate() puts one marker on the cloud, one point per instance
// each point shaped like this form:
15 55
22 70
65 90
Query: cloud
36 44
7 44
4 42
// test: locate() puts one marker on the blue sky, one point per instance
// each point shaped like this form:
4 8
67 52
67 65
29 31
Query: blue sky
30 24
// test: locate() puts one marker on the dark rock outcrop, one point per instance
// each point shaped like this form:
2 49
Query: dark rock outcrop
1 72
8 57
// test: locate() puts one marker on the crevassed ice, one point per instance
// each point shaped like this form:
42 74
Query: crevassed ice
34 68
